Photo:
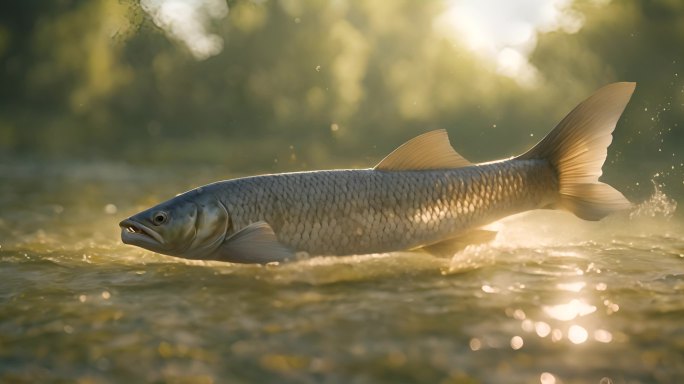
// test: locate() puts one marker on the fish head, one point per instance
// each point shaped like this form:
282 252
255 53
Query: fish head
191 225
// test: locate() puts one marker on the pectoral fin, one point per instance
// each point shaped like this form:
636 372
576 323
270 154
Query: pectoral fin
254 244
451 246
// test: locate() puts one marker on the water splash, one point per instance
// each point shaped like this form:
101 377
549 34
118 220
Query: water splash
658 205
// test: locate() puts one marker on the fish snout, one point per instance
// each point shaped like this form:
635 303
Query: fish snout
133 232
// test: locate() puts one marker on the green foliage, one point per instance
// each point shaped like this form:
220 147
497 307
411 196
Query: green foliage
313 84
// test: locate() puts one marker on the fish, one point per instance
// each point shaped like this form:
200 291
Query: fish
423 196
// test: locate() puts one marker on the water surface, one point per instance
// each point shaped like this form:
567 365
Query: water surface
553 300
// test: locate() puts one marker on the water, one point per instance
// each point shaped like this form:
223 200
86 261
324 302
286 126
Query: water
552 300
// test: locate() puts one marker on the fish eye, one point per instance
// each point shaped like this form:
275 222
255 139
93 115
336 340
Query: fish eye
159 218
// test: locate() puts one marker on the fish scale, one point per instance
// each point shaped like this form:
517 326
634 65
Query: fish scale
360 211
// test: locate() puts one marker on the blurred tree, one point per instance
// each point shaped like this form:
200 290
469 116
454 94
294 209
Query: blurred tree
310 84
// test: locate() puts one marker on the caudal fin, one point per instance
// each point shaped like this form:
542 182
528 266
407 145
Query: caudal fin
577 148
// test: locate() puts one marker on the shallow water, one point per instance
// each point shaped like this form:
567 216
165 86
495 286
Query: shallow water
552 300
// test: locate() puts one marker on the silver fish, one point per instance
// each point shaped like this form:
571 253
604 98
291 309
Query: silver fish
423 195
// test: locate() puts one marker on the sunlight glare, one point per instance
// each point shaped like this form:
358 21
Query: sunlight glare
517 342
603 336
187 22
542 329
570 310
577 334
547 378
572 287
506 32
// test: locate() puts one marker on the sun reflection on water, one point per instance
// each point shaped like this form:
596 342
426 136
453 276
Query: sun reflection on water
542 329
569 311
603 336
572 287
475 344
562 319
547 378
577 334
516 342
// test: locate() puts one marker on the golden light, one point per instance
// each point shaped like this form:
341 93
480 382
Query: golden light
570 310
603 336
547 378
516 342
188 22
505 31
572 287
542 329
577 334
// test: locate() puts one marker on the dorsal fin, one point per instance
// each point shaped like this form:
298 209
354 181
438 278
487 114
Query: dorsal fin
431 150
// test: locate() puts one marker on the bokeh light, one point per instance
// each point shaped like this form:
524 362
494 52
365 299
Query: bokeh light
577 334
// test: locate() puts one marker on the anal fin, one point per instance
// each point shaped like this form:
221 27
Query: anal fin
451 246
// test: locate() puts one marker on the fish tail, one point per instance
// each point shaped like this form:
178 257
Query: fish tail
577 149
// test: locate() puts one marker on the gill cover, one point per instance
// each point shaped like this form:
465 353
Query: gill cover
211 224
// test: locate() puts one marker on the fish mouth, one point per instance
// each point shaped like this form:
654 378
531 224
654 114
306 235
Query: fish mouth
135 233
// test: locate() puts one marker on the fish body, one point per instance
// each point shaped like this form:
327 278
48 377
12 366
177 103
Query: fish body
344 212
422 195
